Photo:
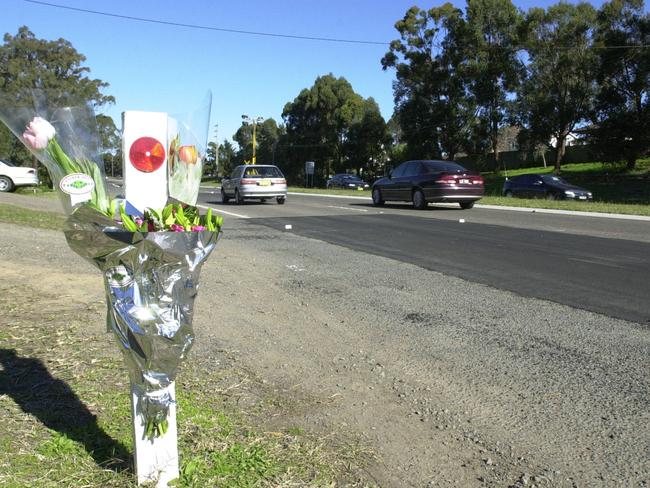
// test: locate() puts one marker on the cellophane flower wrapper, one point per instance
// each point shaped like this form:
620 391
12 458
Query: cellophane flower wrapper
151 281
187 134
73 149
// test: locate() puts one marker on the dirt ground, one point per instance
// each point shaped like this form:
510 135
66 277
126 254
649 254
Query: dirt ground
449 383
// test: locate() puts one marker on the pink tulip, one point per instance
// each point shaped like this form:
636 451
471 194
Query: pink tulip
197 228
38 133
176 228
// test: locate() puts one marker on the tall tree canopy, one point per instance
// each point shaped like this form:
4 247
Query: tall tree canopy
431 102
319 125
622 115
55 67
490 46
558 92
267 136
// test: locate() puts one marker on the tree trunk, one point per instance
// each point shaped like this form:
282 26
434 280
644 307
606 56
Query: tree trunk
559 152
495 147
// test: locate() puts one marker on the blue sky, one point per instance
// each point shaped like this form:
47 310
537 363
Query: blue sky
164 68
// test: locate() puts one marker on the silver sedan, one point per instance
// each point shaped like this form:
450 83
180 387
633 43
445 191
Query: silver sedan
254 181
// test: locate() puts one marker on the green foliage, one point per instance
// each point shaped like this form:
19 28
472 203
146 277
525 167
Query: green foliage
176 217
622 117
54 67
558 91
226 158
267 137
28 63
431 102
325 124
490 43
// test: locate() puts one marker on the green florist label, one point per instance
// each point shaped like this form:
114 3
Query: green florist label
118 277
77 184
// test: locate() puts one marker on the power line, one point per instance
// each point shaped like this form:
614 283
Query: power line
291 36
206 27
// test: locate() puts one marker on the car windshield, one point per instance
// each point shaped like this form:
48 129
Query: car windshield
436 167
263 172
553 179
8 163
351 178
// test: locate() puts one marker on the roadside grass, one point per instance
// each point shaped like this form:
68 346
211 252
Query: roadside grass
39 191
66 415
13 214
610 183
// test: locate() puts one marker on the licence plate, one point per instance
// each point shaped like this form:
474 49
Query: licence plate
464 181
265 182
582 197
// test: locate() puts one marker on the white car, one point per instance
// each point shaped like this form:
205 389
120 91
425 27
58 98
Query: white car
12 176
258 181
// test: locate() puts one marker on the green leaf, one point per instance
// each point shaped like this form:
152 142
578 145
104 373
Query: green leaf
127 222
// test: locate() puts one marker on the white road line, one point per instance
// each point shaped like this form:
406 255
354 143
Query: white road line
348 208
224 212
327 196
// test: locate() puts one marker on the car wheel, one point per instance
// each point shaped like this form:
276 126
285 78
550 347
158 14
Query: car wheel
6 184
377 200
552 196
508 194
418 200
466 205
281 200
238 199
224 198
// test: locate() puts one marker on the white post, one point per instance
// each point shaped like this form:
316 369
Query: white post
156 460
146 177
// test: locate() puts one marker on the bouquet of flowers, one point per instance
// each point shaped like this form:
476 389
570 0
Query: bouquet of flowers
150 260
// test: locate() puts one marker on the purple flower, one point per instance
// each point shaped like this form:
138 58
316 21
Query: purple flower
197 228
176 228
138 221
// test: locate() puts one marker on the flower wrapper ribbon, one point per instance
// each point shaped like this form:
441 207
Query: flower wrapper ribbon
151 281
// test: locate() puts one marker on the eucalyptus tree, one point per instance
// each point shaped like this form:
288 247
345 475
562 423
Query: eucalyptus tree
490 46
432 106
318 123
267 135
367 140
558 92
622 116
28 64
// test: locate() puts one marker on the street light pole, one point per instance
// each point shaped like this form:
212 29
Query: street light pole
254 121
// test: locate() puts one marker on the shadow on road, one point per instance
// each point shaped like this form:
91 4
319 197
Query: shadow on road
53 402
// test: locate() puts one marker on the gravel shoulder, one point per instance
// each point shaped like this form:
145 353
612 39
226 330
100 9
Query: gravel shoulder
450 383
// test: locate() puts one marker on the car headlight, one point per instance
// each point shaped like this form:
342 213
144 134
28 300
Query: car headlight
589 194
351 184
569 194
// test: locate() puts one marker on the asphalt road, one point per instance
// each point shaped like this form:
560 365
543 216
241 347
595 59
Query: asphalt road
595 264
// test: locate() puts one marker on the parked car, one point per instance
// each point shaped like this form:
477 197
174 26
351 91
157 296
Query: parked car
12 176
427 181
347 182
550 187
254 181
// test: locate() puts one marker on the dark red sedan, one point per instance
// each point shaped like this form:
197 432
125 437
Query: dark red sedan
422 182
